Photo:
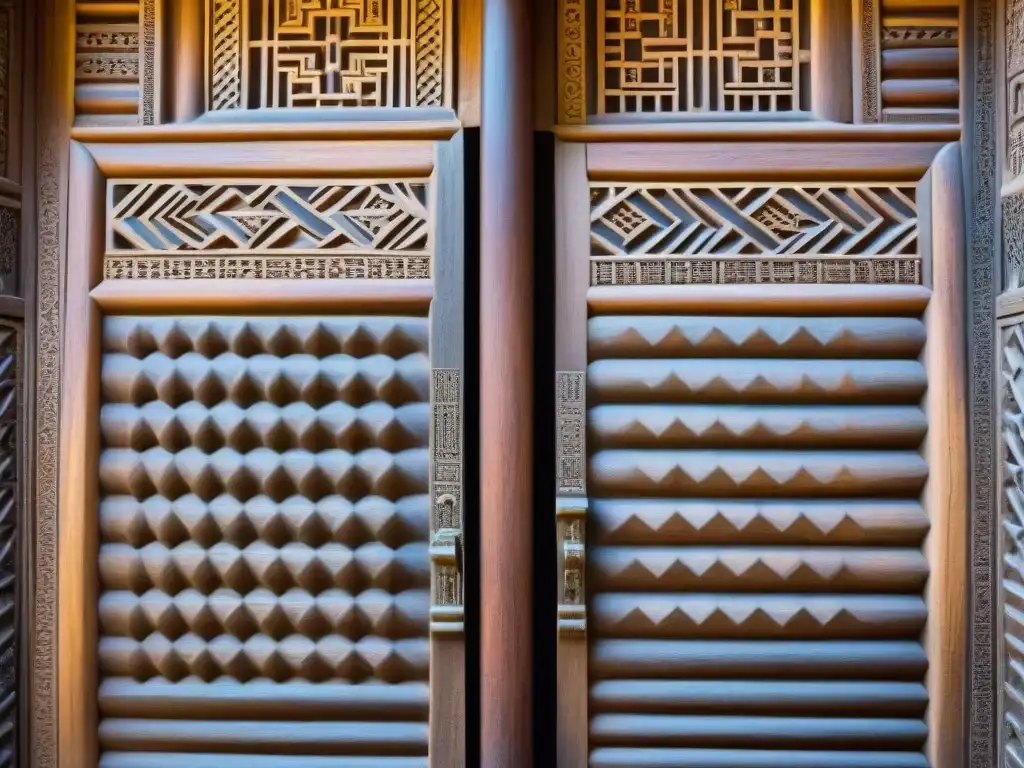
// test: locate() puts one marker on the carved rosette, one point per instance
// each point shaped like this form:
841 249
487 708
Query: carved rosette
446 612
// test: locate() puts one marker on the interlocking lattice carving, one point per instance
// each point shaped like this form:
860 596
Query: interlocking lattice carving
328 53
10 505
1015 85
1012 546
446 495
264 518
201 229
702 55
656 234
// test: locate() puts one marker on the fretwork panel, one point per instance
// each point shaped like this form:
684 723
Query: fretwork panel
1011 663
328 53
808 233
755 571
702 56
264 559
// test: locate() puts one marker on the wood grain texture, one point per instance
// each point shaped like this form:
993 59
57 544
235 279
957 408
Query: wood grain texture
470 60
759 160
263 159
182 52
281 296
945 495
506 386
831 60
754 131
78 495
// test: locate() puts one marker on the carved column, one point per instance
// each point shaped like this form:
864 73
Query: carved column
506 382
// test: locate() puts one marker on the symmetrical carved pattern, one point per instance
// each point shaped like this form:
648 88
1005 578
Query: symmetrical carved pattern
702 55
657 234
571 393
115 62
911 62
446 497
264 518
755 573
328 53
10 493
198 229
572 68
1015 86
1012 547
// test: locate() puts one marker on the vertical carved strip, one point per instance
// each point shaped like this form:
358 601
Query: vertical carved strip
10 494
10 230
147 60
446 615
980 136
430 53
867 106
1015 86
572 66
571 432
6 21
225 54
572 609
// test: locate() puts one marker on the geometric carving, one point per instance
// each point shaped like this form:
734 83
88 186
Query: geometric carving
147 62
754 531
1011 546
706 56
115 60
572 67
1015 86
1013 241
446 493
328 53
10 507
571 448
196 229
703 234
264 523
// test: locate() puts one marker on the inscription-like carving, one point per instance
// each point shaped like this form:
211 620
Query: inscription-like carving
147 60
196 229
328 53
571 394
658 234
572 69
702 56
446 494
115 55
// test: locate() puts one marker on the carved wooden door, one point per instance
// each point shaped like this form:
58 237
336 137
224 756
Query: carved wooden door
761 503
261 437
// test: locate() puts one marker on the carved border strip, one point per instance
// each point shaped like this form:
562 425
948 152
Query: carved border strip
447 611
870 98
572 62
982 282
147 62
571 516
571 439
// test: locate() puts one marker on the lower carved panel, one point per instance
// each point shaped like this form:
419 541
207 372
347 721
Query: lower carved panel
755 571
10 490
264 557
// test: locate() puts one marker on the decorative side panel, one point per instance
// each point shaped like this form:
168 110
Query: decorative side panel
10 507
1015 87
1011 549
264 519
329 53
572 62
112 42
446 495
195 229
702 56
676 234
910 61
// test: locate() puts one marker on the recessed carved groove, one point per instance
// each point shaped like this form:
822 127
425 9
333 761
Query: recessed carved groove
264 523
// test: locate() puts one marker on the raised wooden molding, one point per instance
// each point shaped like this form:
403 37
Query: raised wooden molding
753 131
777 161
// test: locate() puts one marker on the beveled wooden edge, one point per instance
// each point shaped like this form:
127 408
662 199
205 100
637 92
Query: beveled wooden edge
78 500
226 296
265 159
945 449
1010 303
810 161
447 350
818 299
572 278
12 307
470 24
754 131
265 125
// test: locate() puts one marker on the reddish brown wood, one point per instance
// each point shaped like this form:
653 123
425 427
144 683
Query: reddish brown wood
506 381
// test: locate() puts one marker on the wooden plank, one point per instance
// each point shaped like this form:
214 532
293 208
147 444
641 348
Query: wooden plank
718 130
831 60
224 296
470 60
78 489
945 495
760 160
263 159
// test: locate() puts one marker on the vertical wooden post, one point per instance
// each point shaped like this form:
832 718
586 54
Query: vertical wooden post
183 56
506 386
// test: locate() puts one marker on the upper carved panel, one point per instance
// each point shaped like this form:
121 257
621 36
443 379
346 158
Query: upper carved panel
683 56
328 53
197 229
807 233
